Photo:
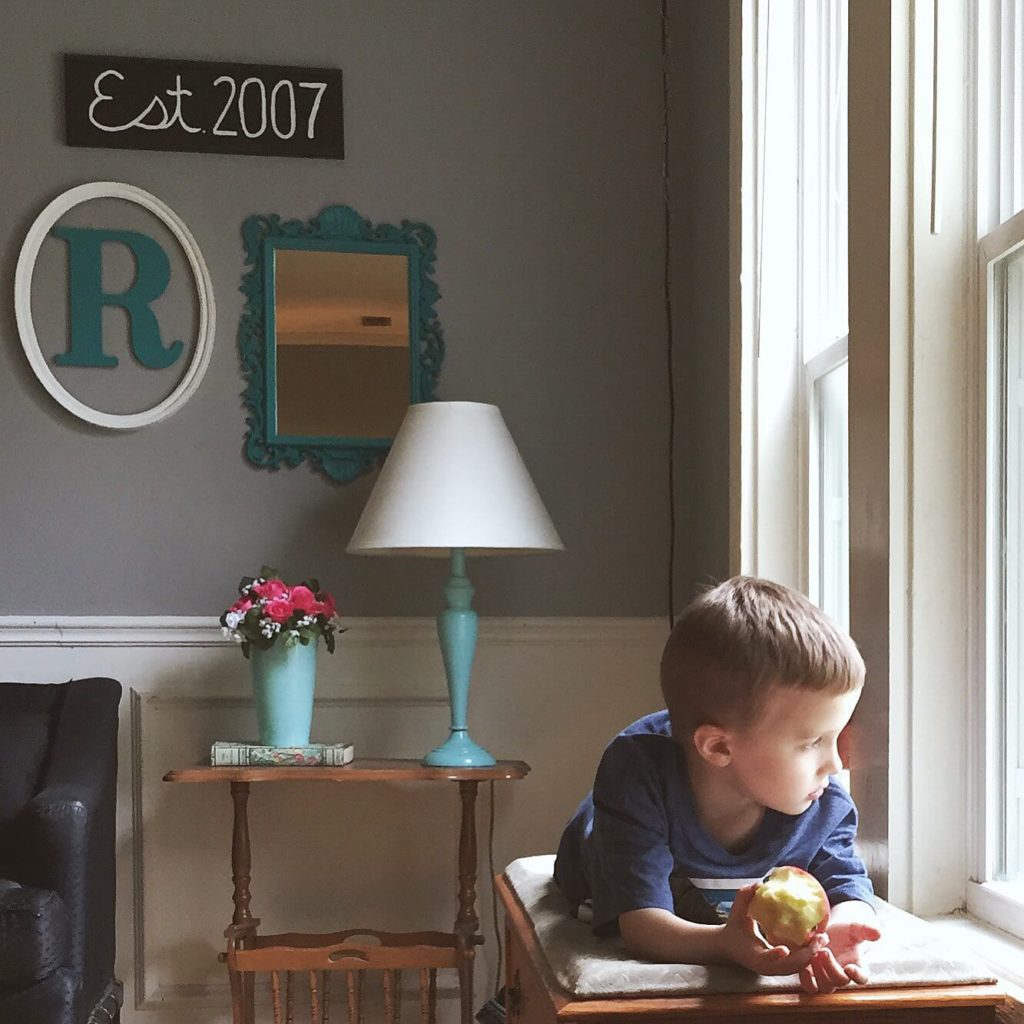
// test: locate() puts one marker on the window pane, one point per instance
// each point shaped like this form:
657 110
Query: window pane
831 410
1010 282
823 186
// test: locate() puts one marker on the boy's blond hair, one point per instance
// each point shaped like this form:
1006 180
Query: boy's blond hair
733 643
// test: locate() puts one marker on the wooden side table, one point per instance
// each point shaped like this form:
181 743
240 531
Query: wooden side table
349 951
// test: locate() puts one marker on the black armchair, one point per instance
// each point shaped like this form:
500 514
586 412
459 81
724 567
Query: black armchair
58 775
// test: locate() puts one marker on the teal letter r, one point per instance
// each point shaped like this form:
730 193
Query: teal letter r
85 273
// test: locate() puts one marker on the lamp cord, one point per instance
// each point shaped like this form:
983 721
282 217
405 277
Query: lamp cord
667 291
494 895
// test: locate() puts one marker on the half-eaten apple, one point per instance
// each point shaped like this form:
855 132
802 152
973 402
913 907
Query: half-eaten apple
789 907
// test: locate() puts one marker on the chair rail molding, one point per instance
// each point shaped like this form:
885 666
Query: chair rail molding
205 631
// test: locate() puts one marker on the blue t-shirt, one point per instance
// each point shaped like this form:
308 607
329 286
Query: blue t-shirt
636 841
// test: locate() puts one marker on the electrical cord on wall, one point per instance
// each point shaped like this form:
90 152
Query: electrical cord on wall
667 292
494 896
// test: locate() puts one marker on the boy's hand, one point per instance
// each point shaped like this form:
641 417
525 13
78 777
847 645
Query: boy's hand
742 945
839 964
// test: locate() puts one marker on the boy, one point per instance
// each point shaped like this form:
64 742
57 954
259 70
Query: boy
693 805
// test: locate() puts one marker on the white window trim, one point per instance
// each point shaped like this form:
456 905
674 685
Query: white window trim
743 284
910 314
999 904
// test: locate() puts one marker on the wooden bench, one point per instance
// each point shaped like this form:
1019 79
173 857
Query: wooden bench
534 996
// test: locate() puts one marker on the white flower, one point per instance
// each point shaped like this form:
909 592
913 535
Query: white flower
268 627
232 619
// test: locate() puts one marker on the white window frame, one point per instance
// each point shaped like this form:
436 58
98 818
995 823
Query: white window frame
1000 180
991 728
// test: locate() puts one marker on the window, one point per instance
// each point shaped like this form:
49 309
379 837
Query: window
824 303
795 521
996 889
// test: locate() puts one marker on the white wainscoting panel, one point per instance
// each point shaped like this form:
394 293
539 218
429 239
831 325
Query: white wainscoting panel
551 692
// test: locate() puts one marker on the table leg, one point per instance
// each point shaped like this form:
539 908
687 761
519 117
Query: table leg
242 986
467 923
241 856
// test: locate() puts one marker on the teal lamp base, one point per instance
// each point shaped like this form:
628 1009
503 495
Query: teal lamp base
456 631
459 751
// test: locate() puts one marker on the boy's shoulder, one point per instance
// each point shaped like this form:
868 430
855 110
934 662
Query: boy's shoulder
655 724
643 750
836 802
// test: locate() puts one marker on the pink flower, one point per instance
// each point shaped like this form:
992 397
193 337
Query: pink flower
272 590
269 610
278 610
303 599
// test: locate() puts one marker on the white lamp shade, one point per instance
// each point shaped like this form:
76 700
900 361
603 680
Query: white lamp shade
454 479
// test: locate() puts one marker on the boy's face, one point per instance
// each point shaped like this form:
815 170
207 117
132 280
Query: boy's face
784 758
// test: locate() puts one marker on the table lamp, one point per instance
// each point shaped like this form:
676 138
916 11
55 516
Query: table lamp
454 485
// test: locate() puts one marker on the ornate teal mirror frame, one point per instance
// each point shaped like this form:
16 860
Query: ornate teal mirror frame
338 336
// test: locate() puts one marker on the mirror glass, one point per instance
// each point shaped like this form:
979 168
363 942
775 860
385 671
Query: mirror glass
341 338
338 337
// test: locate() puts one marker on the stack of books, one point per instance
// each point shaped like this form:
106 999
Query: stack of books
256 755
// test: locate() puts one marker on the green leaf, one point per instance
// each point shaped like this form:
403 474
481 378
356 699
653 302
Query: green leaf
269 573
314 585
245 581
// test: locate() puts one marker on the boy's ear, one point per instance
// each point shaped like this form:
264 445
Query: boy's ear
712 743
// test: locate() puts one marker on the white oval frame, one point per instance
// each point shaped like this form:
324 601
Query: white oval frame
23 304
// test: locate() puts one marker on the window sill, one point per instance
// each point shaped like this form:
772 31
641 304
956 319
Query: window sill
1001 904
1001 952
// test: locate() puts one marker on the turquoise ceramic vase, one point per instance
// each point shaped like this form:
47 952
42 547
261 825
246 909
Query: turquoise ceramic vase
283 680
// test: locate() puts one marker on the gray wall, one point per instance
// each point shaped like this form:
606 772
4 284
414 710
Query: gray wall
699 177
529 136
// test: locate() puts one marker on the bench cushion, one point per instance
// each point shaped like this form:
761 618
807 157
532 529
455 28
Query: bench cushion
909 953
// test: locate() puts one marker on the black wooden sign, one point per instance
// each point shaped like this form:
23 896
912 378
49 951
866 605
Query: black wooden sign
202 106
